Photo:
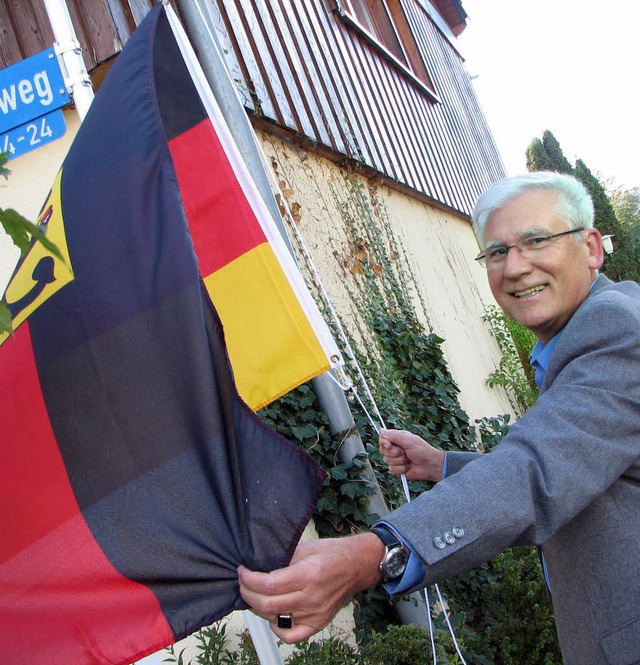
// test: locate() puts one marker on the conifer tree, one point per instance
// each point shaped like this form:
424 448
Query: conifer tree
606 221
554 151
625 259
627 206
537 158
547 155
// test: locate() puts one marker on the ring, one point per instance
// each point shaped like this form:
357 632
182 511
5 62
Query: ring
284 620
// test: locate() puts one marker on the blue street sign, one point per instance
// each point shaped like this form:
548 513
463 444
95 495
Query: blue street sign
31 88
33 134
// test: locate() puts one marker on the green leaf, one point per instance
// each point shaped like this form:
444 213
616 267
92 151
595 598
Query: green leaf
21 231
15 226
4 158
339 472
327 504
305 432
6 325
352 490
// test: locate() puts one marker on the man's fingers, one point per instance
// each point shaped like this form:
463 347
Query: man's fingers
268 597
399 470
315 584
396 459
256 589
298 632
302 625
268 593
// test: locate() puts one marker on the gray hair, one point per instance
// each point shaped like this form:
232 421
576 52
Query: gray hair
574 203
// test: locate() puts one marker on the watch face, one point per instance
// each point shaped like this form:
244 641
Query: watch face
395 563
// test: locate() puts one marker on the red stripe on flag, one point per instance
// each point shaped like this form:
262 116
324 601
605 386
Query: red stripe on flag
62 602
60 597
221 222
31 464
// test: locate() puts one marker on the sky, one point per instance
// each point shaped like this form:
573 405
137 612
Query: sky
569 66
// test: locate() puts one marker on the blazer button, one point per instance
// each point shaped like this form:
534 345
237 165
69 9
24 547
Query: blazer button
457 531
449 538
439 543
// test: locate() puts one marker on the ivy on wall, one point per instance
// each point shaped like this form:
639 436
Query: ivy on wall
405 369
403 363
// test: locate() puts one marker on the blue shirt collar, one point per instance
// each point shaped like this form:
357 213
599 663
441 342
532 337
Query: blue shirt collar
541 354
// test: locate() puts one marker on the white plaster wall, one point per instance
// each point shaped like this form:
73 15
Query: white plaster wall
441 249
438 247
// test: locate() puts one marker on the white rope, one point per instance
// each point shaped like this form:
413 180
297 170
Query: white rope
446 617
407 493
348 385
405 486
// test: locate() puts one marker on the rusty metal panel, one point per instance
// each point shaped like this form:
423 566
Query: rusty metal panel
25 30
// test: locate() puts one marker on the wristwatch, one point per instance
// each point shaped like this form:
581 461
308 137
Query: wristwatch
394 561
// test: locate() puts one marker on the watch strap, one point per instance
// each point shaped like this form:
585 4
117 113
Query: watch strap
395 558
386 536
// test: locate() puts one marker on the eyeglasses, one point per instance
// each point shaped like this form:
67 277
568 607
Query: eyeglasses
495 256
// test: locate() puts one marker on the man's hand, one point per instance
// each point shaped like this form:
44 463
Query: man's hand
408 454
322 575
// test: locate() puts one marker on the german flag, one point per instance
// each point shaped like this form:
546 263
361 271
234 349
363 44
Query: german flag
134 478
275 335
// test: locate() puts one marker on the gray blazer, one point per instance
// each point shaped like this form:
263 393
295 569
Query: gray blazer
567 477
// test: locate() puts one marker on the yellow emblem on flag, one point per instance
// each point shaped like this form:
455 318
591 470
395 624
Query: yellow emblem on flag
39 274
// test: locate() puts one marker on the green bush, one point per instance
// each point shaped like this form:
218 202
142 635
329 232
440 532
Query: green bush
507 613
213 648
397 645
409 645
333 651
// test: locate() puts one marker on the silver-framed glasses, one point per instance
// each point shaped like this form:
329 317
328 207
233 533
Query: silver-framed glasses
495 255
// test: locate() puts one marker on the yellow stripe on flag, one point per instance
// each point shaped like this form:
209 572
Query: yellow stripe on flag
271 344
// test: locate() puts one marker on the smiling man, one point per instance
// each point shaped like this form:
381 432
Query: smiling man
566 477
546 278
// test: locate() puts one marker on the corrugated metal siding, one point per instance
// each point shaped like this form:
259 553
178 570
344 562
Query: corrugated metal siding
299 65
320 79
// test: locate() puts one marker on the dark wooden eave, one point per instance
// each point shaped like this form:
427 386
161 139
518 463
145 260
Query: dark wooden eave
453 13
102 27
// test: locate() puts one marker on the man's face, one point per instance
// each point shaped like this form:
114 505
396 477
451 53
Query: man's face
541 291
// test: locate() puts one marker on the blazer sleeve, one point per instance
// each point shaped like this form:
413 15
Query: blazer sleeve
580 437
456 460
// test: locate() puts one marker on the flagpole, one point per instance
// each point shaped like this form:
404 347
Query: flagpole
69 53
202 34
206 47
263 639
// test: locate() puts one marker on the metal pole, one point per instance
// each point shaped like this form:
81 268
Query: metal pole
69 52
342 426
202 33
263 639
